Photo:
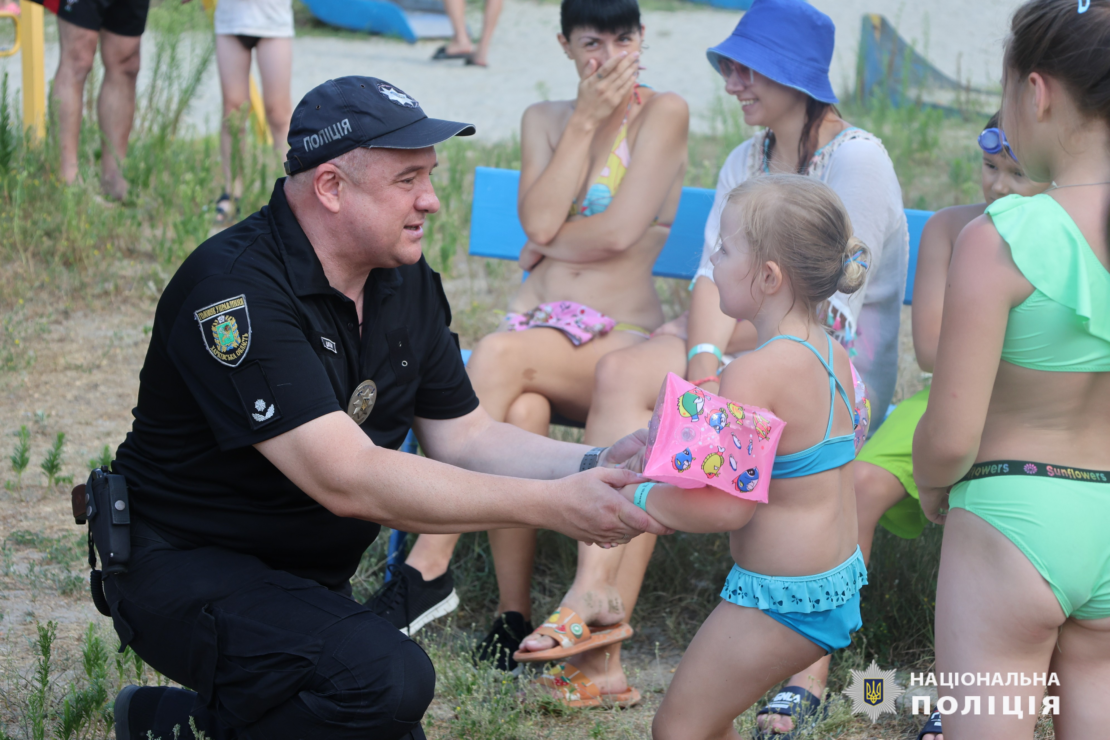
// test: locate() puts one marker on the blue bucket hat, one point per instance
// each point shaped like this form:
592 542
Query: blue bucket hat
788 41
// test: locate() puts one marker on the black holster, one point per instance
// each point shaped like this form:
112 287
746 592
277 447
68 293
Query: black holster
103 503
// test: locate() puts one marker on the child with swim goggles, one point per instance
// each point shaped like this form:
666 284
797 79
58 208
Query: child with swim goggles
1011 452
793 594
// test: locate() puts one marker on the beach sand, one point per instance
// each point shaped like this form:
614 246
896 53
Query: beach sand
963 39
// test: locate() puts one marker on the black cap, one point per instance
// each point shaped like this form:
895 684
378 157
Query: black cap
348 112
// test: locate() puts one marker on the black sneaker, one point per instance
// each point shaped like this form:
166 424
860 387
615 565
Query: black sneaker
504 639
408 602
140 711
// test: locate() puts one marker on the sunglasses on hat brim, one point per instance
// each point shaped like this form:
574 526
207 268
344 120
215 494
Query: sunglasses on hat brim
993 140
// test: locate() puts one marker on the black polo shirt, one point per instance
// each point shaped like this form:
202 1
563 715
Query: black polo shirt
250 341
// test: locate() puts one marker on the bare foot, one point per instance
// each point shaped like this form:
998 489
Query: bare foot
776 723
477 61
114 186
599 607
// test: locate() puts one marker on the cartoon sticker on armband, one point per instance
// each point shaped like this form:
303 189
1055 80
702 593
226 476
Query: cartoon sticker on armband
691 404
747 481
762 427
711 466
737 411
750 446
732 463
683 460
718 420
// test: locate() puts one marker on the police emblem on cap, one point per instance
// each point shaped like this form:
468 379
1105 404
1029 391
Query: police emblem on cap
394 95
362 401
226 329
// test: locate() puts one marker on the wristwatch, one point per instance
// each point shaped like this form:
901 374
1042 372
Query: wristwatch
589 460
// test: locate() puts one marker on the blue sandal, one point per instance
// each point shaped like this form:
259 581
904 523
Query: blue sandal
792 701
932 727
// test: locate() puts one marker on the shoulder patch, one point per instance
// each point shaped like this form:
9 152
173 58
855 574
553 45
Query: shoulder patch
225 327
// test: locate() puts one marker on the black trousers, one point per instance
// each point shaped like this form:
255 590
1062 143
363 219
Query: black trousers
270 655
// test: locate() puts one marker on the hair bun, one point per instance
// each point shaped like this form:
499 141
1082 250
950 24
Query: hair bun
857 258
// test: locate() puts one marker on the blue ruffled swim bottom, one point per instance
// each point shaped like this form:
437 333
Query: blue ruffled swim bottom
822 608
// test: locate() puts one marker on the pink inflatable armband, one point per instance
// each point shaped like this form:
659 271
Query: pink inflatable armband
863 408
698 439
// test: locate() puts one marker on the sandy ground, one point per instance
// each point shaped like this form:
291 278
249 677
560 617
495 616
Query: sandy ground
963 39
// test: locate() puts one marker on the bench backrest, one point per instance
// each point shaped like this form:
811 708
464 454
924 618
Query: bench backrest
495 229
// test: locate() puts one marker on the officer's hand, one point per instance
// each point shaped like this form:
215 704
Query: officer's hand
624 450
590 508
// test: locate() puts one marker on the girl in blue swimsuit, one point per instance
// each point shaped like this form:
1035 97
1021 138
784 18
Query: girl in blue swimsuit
793 594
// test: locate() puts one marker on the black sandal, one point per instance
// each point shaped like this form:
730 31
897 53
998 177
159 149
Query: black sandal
932 727
227 208
795 702
443 55
504 638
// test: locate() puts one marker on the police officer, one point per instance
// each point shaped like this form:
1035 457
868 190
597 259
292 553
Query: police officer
290 355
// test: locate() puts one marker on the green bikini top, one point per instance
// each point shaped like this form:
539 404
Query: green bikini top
1064 326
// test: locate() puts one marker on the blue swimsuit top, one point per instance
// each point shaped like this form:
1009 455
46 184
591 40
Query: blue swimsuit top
830 452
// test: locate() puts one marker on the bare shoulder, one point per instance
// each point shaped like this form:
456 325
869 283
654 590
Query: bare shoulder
754 377
547 115
949 222
985 263
667 104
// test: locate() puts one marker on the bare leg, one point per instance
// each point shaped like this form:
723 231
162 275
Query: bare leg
736 657
456 11
607 582
116 107
275 65
505 367
876 491
233 61
78 49
514 550
489 22
431 553
995 613
1082 663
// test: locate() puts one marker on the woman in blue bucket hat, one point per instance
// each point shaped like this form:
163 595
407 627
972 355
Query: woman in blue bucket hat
776 63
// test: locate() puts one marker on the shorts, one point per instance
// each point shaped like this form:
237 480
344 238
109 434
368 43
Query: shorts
1059 525
580 323
823 608
891 448
121 17
261 19
271 655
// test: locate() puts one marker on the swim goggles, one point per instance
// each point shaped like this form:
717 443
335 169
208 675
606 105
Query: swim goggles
993 140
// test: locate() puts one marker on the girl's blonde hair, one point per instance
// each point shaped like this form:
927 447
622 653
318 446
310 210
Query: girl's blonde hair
801 224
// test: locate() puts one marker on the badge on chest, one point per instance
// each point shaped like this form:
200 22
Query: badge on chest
362 401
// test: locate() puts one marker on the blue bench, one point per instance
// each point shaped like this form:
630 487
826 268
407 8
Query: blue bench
496 232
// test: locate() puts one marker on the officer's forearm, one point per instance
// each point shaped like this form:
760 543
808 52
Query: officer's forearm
333 461
478 443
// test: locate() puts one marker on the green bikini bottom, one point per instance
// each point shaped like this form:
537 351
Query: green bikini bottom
1058 523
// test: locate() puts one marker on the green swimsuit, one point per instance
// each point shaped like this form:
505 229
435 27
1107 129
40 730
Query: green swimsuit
1061 525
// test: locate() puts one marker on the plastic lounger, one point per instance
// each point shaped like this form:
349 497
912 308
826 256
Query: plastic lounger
382 17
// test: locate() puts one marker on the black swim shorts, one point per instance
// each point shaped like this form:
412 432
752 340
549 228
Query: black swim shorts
123 17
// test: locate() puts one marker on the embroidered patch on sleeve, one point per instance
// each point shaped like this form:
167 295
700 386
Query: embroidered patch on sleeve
254 391
226 329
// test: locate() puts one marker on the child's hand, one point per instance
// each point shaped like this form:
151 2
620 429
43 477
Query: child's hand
934 502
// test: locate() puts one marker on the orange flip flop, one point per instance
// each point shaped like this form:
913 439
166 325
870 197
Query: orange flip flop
575 690
572 636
